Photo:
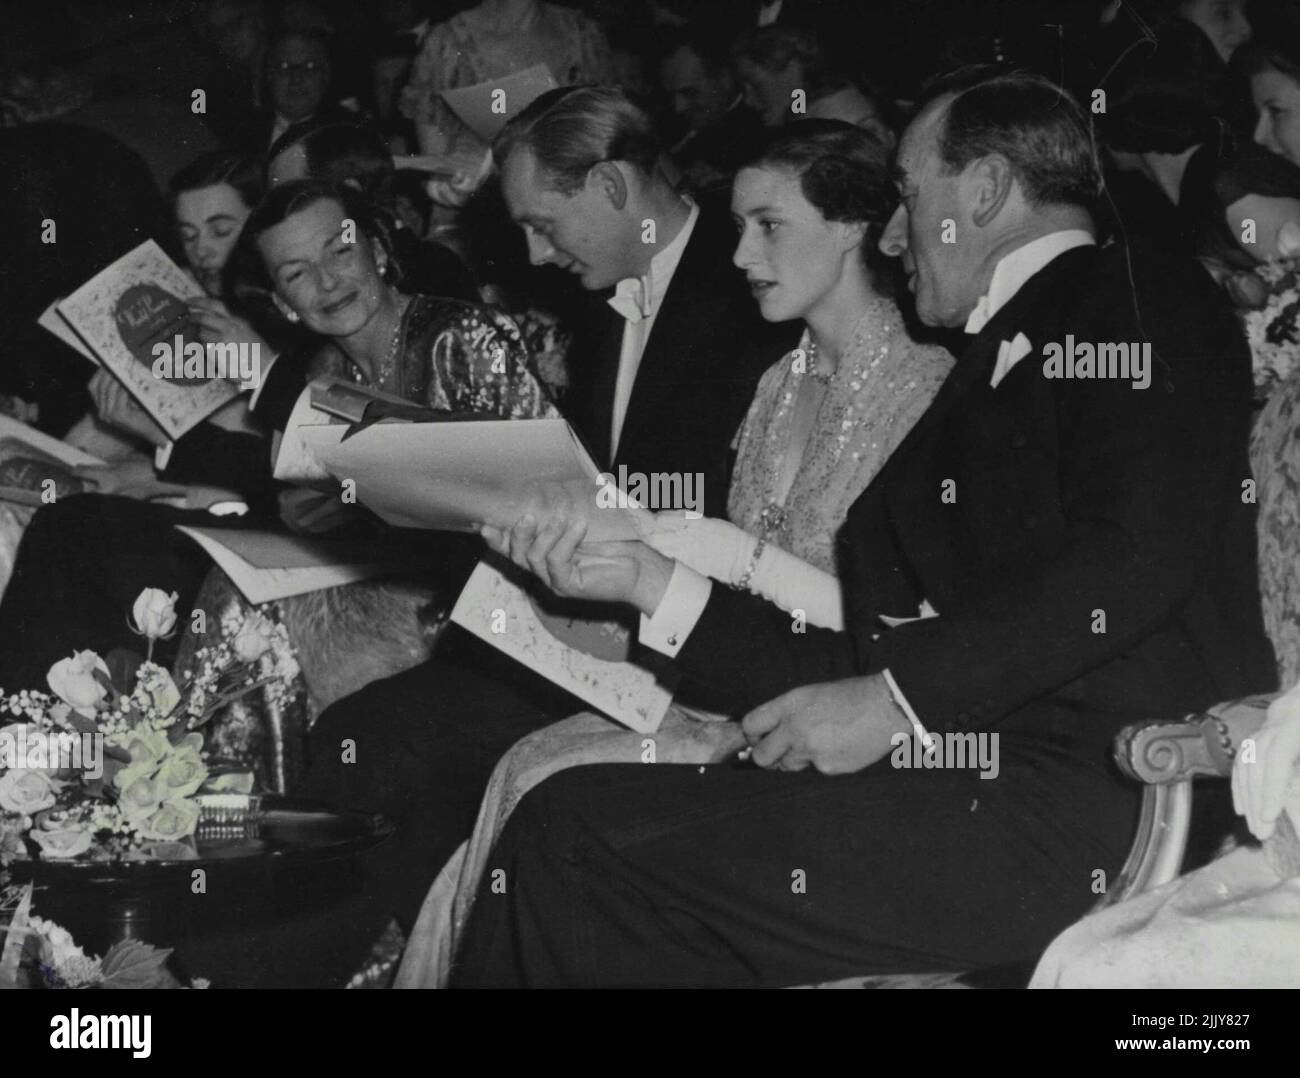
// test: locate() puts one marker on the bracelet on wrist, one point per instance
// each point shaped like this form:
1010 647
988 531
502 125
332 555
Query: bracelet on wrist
743 583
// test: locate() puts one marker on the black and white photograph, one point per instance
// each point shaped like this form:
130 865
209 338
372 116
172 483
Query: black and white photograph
642 494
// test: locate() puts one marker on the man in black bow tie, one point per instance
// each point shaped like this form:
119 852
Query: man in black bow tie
1041 562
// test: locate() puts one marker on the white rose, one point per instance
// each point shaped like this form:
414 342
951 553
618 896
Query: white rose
26 792
63 843
139 795
181 774
154 613
175 819
147 748
253 639
73 681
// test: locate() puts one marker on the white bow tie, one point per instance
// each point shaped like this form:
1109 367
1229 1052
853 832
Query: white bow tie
629 299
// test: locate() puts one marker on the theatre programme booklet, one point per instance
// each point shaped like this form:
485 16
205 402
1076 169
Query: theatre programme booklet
266 565
588 655
29 458
418 468
121 313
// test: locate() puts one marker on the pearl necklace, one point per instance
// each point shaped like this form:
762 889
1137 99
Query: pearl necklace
390 360
822 376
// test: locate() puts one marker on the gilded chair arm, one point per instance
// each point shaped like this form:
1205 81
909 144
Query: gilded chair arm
1201 744
1165 757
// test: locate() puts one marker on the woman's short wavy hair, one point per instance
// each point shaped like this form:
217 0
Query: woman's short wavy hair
247 277
843 172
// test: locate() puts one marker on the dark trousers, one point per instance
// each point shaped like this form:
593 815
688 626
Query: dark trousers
627 875
79 568
419 747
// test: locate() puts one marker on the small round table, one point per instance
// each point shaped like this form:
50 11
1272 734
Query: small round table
245 891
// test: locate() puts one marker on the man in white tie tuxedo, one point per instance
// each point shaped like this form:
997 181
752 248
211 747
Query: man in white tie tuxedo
665 366
1089 557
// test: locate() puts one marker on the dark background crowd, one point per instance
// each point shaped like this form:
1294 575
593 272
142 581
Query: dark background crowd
102 105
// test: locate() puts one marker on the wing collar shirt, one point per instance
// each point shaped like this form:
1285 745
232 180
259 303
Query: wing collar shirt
638 300
688 591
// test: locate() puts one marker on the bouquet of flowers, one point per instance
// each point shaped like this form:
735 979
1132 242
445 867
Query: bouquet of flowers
1273 325
110 763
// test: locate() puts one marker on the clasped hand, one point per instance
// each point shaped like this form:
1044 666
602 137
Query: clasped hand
549 540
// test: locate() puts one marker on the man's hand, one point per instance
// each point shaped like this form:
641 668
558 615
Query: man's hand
838 726
116 407
620 572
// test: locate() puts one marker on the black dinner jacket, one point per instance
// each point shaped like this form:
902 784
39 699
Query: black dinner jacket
1071 501
697 376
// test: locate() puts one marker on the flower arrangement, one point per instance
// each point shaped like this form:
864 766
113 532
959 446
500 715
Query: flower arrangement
1268 296
107 766
37 953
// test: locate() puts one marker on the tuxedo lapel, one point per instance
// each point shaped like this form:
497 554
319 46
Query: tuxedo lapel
682 311
607 347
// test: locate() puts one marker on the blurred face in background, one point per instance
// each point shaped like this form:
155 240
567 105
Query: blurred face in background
699 96
585 233
209 220
1222 21
332 285
299 77
792 257
1277 129
769 91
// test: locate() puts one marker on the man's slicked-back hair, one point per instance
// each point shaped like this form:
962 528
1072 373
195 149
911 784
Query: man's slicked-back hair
573 128
1035 124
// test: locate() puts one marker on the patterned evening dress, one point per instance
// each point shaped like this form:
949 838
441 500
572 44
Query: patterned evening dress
451 356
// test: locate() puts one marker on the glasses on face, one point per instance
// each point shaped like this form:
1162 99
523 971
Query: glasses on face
307 67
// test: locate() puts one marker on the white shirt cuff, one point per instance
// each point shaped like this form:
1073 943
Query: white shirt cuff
684 600
918 729
162 456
